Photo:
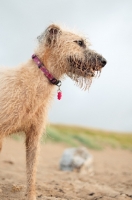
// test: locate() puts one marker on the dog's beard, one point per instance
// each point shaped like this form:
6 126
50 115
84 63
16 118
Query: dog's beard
82 72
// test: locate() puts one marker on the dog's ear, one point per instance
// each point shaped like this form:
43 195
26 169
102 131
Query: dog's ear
53 30
50 35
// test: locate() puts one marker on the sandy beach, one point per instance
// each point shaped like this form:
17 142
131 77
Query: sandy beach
111 177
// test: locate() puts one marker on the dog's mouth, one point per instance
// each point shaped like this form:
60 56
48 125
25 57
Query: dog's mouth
86 68
83 70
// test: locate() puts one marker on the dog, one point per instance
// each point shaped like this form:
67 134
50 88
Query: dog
27 90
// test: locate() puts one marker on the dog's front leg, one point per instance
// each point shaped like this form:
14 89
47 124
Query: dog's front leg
32 147
0 144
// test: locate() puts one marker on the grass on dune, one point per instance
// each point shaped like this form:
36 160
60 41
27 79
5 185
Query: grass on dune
79 136
91 138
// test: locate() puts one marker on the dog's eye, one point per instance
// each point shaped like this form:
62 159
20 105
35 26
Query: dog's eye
80 43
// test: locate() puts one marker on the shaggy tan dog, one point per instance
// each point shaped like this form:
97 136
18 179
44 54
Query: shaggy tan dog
26 91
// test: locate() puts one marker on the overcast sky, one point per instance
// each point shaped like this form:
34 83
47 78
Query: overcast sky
108 25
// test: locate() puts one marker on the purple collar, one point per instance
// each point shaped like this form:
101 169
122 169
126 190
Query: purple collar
51 78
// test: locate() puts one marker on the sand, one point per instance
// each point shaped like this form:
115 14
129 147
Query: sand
111 177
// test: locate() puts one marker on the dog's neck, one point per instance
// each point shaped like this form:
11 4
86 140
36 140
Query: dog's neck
49 76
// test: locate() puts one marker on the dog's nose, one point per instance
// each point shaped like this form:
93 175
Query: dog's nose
103 61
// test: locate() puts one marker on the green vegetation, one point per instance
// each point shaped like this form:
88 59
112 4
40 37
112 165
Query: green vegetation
91 138
79 136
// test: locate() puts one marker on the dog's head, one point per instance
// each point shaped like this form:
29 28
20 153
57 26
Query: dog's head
70 54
